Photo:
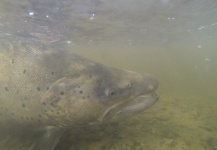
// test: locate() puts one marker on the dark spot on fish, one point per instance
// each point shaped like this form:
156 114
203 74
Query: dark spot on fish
52 73
56 99
47 88
38 88
27 118
6 89
22 117
81 92
31 118
112 93
23 105
84 97
44 103
12 61
90 76
24 71
39 120
12 113
39 116
58 113
62 93
78 86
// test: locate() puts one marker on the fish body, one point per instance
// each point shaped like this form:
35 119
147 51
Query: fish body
46 90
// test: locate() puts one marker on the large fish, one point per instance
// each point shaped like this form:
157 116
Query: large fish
46 90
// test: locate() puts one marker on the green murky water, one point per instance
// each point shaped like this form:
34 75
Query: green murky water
184 117
174 40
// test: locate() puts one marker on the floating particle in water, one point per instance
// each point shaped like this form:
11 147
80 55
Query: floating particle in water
196 67
202 27
199 46
92 17
206 59
68 42
31 13
171 18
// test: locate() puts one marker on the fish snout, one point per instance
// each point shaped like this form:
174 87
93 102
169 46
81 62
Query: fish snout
151 84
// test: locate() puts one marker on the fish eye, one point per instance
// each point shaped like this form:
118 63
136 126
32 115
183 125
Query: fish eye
110 93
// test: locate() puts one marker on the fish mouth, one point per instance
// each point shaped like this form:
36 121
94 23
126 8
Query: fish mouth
135 106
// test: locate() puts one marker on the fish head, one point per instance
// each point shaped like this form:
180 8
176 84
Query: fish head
97 93
126 93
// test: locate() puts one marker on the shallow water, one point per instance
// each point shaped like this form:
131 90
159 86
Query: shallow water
174 40
184 117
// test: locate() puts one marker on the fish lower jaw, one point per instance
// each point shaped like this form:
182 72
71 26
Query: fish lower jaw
140 103
136 105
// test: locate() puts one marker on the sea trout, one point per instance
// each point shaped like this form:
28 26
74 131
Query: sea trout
45 90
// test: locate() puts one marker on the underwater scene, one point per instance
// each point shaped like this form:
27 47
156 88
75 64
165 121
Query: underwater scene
108 75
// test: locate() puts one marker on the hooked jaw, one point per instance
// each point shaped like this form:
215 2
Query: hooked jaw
146 98
137 105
